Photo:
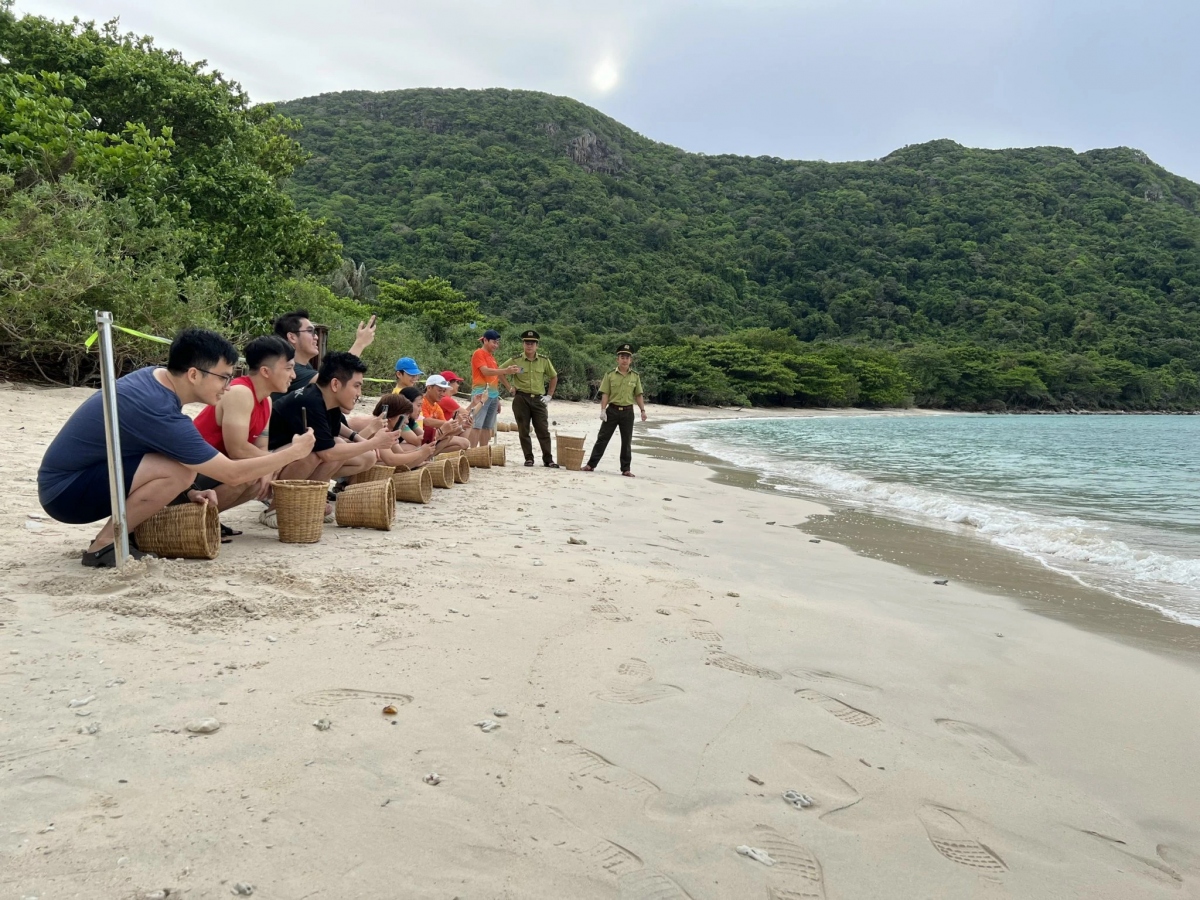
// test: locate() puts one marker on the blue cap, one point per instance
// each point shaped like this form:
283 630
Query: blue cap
491 335
408 366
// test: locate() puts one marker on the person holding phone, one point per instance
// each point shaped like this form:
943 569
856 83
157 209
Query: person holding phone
397 410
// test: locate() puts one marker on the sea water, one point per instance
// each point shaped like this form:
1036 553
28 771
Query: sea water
1113 501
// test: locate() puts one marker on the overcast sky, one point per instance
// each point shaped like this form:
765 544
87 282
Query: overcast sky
800 79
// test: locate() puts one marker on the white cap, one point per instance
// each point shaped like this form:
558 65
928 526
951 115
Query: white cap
436 381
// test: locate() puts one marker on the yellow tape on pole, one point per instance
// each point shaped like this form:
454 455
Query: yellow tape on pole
150 337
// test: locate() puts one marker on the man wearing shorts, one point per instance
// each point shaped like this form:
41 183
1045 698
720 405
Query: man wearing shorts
485 387
237 425
161 449
337 450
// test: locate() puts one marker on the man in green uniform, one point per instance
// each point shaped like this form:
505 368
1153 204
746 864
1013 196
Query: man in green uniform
620 389
531 396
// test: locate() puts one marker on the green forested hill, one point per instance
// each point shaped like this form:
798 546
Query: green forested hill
952 276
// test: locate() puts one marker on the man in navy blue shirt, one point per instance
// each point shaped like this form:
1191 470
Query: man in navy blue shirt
161 450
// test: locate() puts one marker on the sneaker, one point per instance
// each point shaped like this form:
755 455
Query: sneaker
269 517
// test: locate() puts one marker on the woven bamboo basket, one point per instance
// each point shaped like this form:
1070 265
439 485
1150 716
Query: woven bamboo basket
401 469
183 531
369 505
479 457
375 473
504 426
570 451
462 471
413 487
300 510
442 471
498 457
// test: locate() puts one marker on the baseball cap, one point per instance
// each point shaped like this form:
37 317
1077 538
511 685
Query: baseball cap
450 376
436 381
408 366
491 335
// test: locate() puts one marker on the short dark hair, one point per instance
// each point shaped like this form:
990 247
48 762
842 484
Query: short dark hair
265 348
394 404
197 348
289 323
339 365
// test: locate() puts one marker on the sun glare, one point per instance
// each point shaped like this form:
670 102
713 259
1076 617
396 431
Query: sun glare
605 76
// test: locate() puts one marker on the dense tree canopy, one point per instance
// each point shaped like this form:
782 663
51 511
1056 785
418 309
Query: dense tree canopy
951 276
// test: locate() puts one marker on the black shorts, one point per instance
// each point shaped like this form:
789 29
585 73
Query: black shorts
84 496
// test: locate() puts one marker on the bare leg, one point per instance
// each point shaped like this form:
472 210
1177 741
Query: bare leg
360 463
231 495
458 442
479 437
157 482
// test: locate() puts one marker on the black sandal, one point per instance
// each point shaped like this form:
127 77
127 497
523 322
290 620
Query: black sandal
228 534
106 557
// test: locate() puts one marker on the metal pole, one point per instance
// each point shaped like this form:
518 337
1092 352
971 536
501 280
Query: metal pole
112 435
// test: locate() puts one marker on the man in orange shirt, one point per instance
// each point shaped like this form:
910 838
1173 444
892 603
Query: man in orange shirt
446 432
485 387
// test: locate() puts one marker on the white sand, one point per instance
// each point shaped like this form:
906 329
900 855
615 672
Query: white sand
954 745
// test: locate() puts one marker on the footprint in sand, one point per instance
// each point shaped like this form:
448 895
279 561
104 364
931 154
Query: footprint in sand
584 763
340 695
1151 868
733 664
638 685
796 874
700 630
851 715
954 842
610 612
635 880
822 675
987 743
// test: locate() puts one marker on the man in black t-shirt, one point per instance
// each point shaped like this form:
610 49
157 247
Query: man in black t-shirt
298 330
338 450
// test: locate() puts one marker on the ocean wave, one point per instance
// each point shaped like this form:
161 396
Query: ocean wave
1070 544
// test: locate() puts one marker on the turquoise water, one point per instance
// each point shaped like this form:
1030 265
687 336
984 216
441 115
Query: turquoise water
1113 501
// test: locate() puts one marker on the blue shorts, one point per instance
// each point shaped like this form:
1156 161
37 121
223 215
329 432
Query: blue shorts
485 416
83 497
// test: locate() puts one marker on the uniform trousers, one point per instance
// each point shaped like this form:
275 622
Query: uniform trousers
615 417
528 408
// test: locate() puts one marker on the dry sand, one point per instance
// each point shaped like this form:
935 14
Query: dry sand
671 656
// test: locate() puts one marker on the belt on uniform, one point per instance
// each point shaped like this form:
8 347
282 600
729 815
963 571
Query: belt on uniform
529 393
620 407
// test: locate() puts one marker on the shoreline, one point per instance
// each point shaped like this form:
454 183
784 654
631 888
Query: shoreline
953 552
668 662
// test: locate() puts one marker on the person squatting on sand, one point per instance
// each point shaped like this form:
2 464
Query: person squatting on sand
237 424
338 451
161 450
298 330
440 429
485 388
531 396
619 391
409 451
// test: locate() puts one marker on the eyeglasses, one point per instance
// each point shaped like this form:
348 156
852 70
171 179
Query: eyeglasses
308 330
226 378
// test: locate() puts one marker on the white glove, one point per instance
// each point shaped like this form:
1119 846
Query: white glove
546 398
603 415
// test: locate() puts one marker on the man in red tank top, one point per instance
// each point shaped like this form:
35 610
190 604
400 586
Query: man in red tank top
237 425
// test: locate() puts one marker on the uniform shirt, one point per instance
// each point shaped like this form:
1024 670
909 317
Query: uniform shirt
481 382
260 416
621 389
538 371
151 420
286 421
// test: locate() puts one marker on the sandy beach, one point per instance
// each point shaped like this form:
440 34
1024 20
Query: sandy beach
665 656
